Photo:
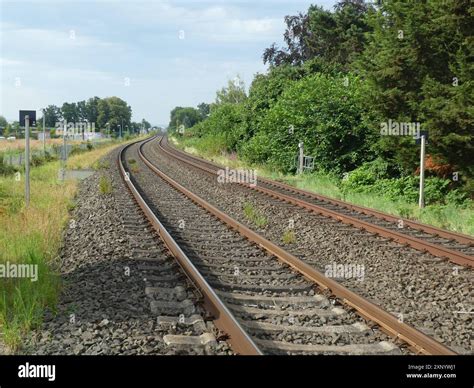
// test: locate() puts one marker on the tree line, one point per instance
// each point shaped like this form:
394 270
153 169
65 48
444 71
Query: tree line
344 75
110 114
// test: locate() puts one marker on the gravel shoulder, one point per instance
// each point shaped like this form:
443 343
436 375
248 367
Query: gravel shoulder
108 253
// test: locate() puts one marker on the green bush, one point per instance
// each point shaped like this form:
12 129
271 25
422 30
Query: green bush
256 150
371 178
327 114
457 197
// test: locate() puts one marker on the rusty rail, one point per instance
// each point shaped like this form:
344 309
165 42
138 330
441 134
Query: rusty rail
223 318
419 244
388 323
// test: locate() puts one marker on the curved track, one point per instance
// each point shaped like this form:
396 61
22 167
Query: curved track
455 247
265 299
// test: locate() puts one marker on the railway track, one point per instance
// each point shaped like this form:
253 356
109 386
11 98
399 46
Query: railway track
455 247
265 299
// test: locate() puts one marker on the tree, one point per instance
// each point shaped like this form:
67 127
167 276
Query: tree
92 110
204 110
337 38
187 117
234 93
411 62
52 115
326 115
103 114
3 122
81 111
69 112
145 124
118 113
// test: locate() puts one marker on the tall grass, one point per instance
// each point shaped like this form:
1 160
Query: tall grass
33 236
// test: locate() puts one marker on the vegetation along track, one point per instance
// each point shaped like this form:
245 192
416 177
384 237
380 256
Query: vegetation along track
456 247
264 298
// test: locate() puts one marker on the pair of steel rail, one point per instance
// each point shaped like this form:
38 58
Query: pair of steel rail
240 341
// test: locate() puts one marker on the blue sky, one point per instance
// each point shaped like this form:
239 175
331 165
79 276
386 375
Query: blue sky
54 51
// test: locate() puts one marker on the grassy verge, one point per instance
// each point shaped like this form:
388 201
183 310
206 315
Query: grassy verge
33 236
451 217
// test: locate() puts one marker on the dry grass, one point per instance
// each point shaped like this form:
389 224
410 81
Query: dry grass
89 159
19 144
33 236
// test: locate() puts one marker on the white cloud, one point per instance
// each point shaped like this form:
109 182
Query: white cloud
214 23
4 62
16 37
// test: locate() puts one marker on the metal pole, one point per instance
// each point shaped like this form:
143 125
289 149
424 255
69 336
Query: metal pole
27 160
301 158
421 202
44 135
64 144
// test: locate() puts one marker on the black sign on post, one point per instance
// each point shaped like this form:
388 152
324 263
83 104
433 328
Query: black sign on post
31 114
422 133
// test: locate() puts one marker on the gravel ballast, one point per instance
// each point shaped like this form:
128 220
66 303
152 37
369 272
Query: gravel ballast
108 253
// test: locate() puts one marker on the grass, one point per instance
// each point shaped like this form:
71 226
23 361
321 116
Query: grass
254 216
133 165
33 236
90 159
451 217
105 185
288 237
19 144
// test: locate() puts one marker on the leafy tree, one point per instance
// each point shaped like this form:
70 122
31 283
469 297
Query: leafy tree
234 93
335 37
81 111
52 115
146 124
324 112
204 110
69 112
265 91
184 116
119 113
92 110
103 114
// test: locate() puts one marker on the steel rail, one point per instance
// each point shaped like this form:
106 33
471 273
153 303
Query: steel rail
387 322
222 317
416 243
459 237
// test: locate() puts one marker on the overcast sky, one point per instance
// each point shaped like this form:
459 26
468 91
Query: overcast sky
153 54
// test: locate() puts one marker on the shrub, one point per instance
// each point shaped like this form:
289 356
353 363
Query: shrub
327 116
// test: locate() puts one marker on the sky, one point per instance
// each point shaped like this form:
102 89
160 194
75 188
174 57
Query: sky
153 54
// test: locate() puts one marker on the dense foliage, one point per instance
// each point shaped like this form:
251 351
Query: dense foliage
341 77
